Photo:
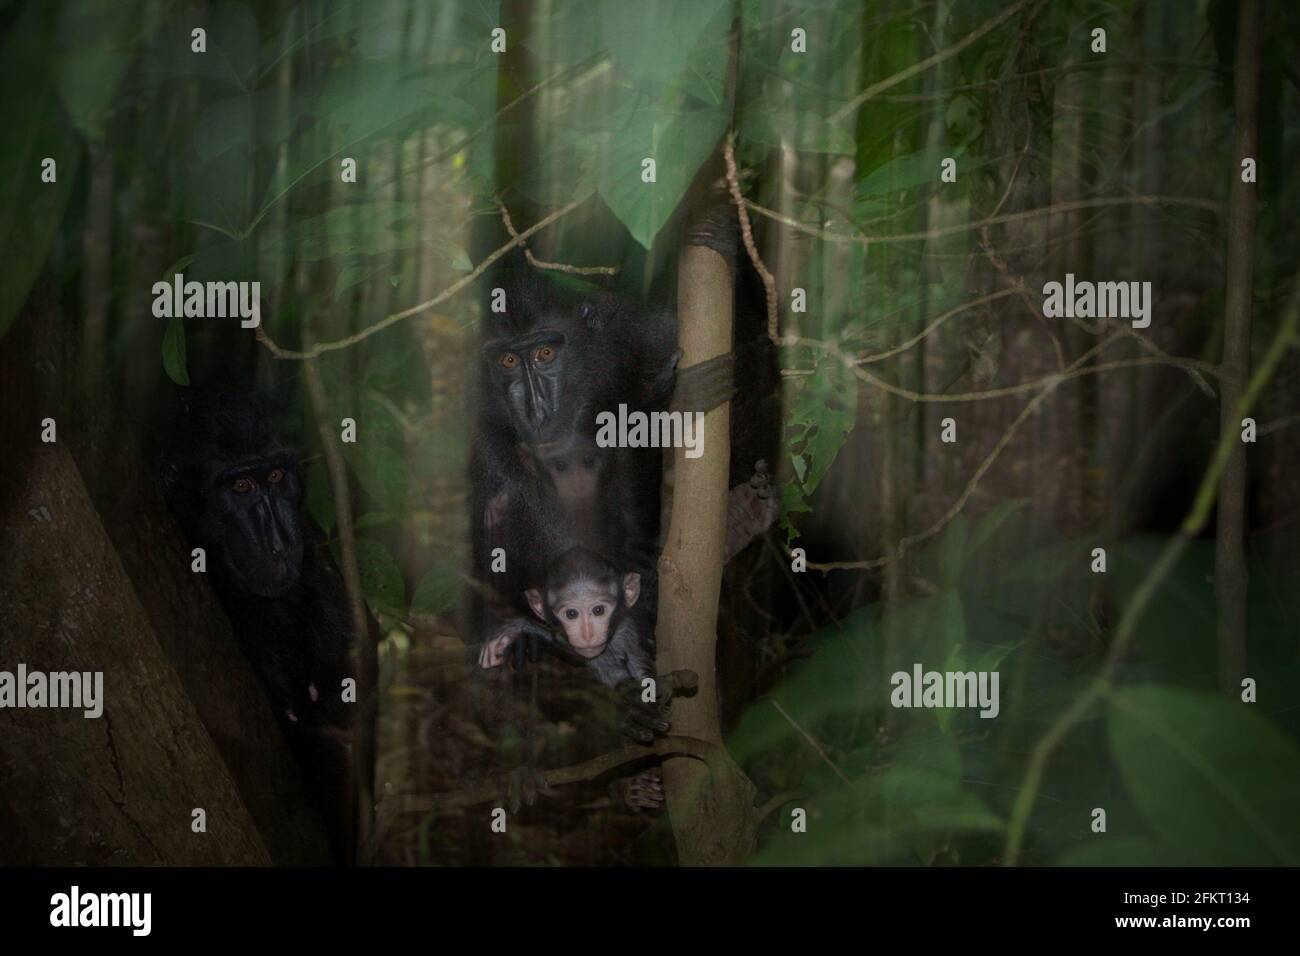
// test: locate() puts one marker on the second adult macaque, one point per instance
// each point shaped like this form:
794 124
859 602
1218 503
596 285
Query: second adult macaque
587 604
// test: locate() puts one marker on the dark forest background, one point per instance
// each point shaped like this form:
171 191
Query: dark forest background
902 301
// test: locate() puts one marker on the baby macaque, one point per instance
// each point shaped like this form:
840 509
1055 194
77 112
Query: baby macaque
587 603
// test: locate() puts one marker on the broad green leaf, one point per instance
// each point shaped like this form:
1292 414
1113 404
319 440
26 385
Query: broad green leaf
679 43
97 41
822 413
381 576
679 142
36 128
1100 849
991 522
1209 774
893 817
232 45
838 683
439 589
923 631
980 658
381 470
362 106
905 172
372 519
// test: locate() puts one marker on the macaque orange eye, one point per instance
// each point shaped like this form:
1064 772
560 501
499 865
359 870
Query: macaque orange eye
571 614
598 610
509 360
243 485
276 476
544 354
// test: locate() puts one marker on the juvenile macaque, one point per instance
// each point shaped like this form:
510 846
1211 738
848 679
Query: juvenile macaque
587 603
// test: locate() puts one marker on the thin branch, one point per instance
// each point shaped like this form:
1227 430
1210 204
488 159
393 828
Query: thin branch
1278 425
555 266
775 803
1192 525
488 123
364 646
985 465
483 791
322 347
928 62
1048 381
812 741
747 235
1193 202
958 310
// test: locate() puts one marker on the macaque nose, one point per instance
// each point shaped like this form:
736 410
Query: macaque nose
537 410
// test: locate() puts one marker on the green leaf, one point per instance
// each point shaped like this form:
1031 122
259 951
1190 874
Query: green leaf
906 172
357 108
923 631
36 127
97 41
439 589
233 44
835 688
900 815
381 576
990 524
823 411
381 470
1208 774
1101 849
372 519
690 55
679 142
173 351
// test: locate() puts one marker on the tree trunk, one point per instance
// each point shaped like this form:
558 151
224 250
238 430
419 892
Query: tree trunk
120 789
710 806
1230 579
113 545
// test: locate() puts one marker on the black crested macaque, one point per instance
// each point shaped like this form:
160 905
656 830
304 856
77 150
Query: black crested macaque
237 492
552 360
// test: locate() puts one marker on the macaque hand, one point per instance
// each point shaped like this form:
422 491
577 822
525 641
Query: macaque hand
493 652
523 634
522 786
640 791
644 720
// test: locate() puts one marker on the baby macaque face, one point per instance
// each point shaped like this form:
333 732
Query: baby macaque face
585 610
572 467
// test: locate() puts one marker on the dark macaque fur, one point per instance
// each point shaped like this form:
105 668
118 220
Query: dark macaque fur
614 351
287 606
611 353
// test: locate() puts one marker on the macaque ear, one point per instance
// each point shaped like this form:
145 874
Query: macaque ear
535 602
631 587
